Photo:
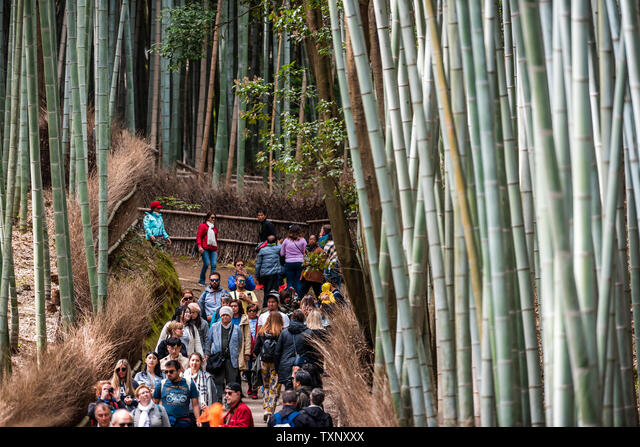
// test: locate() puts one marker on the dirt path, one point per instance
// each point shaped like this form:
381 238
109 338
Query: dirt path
189 272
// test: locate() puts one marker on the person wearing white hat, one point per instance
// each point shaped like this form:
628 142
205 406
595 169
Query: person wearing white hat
227 341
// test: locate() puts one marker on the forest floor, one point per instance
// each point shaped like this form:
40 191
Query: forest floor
24 271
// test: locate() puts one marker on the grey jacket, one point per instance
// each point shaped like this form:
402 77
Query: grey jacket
210 301
215 339
157 416
268 262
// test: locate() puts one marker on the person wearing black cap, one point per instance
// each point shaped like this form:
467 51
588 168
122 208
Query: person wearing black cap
272 304
239 414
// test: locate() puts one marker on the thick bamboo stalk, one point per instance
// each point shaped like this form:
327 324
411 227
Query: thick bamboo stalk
212 77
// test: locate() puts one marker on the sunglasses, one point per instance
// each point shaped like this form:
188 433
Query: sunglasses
121 369
125 424
214 280
239 265
242 281
171 371
228 393
252 310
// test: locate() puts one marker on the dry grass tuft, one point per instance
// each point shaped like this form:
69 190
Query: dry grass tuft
128 165
355 396
53 394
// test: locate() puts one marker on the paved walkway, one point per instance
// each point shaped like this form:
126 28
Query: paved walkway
188 273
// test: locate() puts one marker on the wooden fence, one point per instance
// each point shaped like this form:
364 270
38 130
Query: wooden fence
237 235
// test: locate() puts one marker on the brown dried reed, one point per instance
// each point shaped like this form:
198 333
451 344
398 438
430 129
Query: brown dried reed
129 164
57 393
355 396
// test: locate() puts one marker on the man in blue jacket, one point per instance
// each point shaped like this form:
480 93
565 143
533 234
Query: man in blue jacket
227 340
268 267
211 299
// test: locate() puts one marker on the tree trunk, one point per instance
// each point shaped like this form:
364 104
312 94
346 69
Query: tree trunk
357 287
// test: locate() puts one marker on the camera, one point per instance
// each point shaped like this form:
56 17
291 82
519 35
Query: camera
111 390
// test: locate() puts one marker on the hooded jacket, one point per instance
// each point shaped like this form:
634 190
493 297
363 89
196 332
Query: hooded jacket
291 340
154 225
201 237
313 416
268 262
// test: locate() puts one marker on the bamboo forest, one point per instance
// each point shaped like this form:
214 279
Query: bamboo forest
477 161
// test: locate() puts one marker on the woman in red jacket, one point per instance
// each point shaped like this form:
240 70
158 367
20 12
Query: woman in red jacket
207 240
239 414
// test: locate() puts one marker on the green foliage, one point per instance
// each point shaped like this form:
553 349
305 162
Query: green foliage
186 30
175 203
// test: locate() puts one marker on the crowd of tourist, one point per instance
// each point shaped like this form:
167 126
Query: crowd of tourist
227 337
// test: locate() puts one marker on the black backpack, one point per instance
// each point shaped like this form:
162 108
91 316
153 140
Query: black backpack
268 350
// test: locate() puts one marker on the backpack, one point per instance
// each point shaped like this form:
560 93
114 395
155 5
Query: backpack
286 422
268 350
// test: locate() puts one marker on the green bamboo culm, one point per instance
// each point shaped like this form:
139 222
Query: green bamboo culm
102 146
63 249
37 200
16 75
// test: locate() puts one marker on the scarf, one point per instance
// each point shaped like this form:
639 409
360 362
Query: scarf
211 236
144 415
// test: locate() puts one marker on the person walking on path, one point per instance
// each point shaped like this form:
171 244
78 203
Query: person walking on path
104 395
264 351
201 325
204 382
293 251
272 305
285 417
239 318
268 267
151 374
292 343
313 268
154 226
252 319
175 393
244 296
332 270
207 241
147 413
211 299
265 228
174 345
314 415
250 283
226 340
124 385
239 414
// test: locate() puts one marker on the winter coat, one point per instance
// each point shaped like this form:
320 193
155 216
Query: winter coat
293 251
201 237
246 343
239 416
210 301
250 285
268 262
235 343
313 355
153 225
157 416
265 229
313 416
291 339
